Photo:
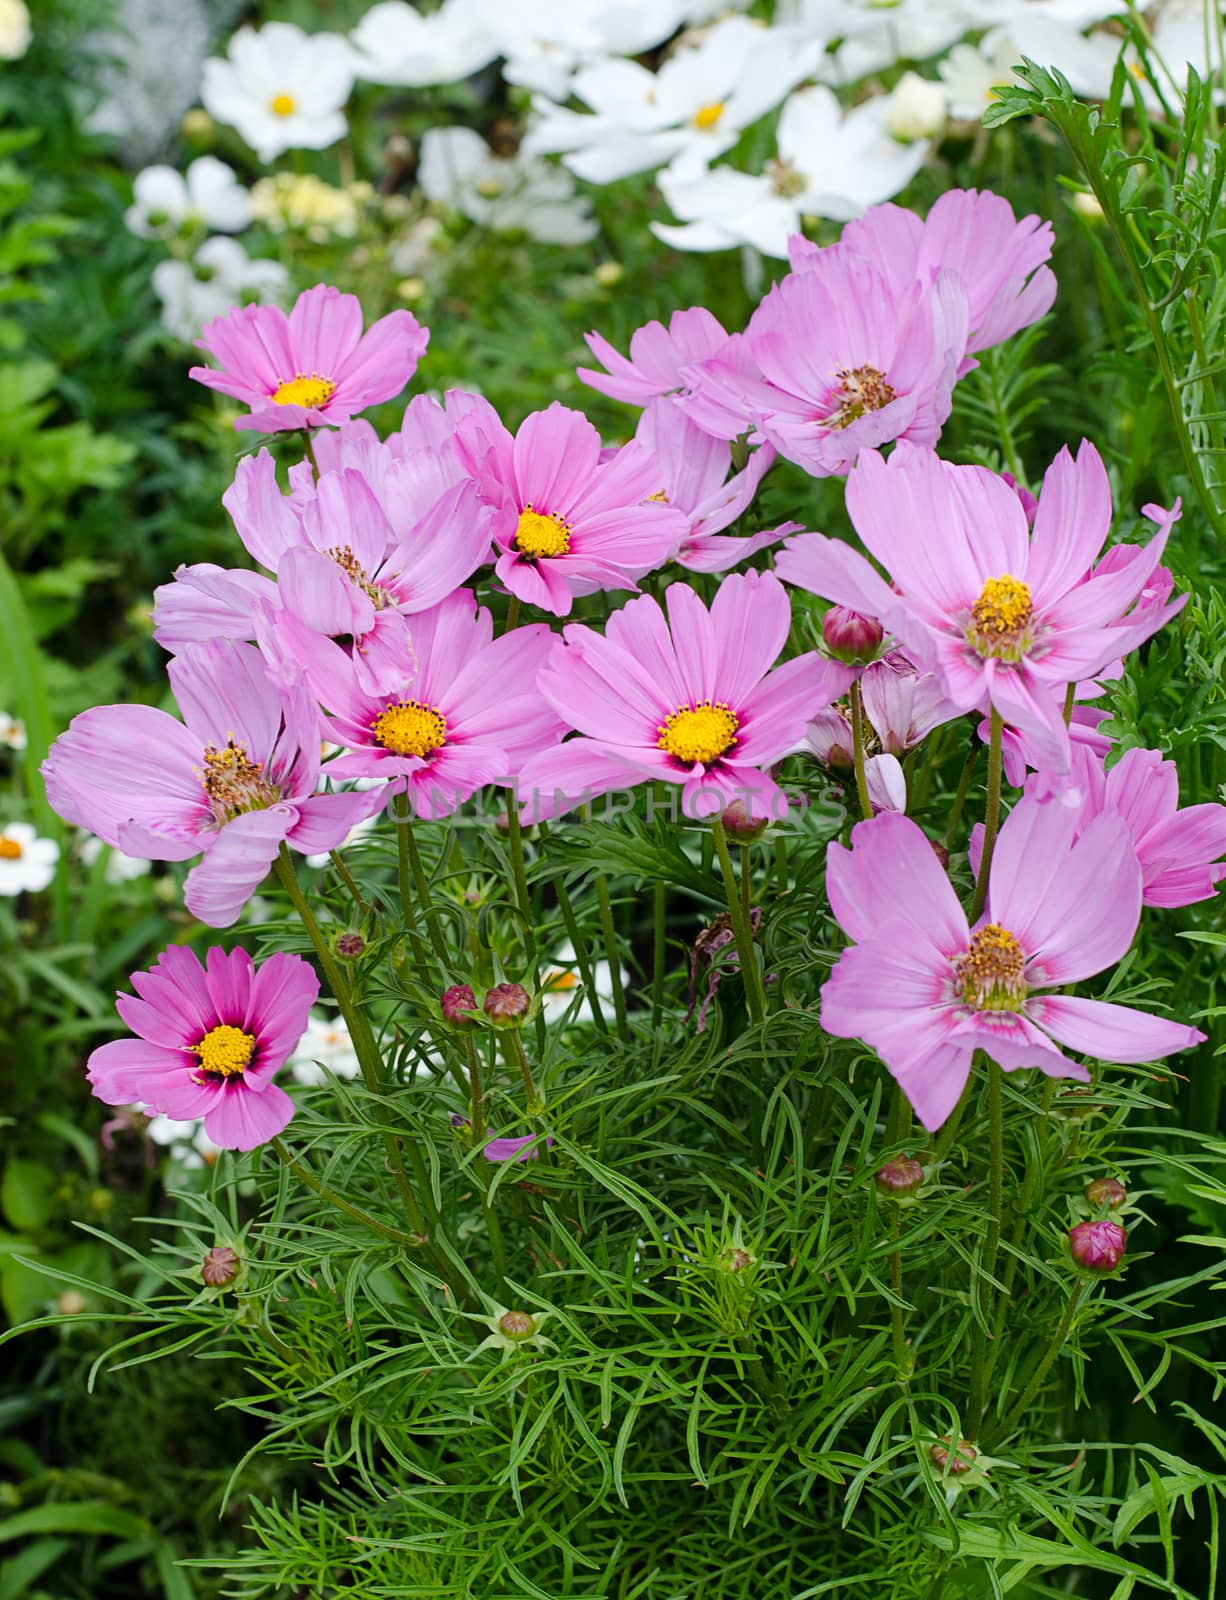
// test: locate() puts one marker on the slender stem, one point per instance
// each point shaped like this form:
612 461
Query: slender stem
964 788
659 950
346 877
741 927
991 820
612 955
512 621
424 900
515 838
400 816
1053 1350
857 739
498 1249
1070 694
582 955
991 1243
476 1105
310 452
525 1071
781 865
1021 1210
897 1332
746 885
413 1240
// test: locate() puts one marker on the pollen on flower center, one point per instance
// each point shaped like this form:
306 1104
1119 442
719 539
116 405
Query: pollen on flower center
283 105
859 389
409 728
234 783
309 390
991 971
698 733
225 1051
356 573
540 534
10 849
707 116
1001 618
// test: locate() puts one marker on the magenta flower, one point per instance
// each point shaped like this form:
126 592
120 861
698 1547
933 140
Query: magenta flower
835 360
230 782
569 522
657 356
527 1148
926 991
314 367
1097 1246
209 1042
689 699
465 710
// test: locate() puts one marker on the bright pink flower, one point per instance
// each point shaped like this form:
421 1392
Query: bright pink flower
568 523
1005 616
998 259
236 777
527 1148
657 356
209 1041
925 990
465 711
843 361
314 367
689 699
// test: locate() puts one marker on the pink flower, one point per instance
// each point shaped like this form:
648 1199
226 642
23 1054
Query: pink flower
314 367
1004 615
657 356
236 777
1097 1246
527 1148
836 359
569 522
925 990
209 1042
465 710
903 705
689 699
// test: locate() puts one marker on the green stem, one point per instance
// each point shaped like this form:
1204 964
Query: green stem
1025 1199
609 930
523 900
400 816
525 1071
476 1106
897 1332
1031 1390
987 1259
781 865
964 788
512 621
497 1247
346 877
413 1240
310 452
991 820
857 738
741 927
746 885
659 950
424 900
582 955
1070 695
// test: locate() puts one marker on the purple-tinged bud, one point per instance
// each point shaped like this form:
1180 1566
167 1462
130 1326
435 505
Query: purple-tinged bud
961 1460
850 636
736 1259
740 824
516 1325
454 1002
1108 1192
506 1000
1098 1246
350 945
901 1179
219 1266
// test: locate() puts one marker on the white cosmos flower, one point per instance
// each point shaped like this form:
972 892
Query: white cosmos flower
281 88
325 1050
119 867
505 193
971 74
27 863
14 29
12 733
561 982
222 276
693 109
208 193
916 108
395 43
187 1141
875 35
828 165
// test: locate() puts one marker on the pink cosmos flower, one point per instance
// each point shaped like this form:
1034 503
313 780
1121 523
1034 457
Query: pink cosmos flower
903 705
314 367
999 260
209 1041
236 777
657 356
466 710
527 1148
1005 615
836 359
689 699
926 990
568 522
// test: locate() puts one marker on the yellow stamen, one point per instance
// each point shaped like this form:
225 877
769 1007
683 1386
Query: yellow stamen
860 389
349 565
10 850
1000 621
409 728
303 390
707 116
558 980
540 534
698 733
992 969
283 105
225 1051
234 783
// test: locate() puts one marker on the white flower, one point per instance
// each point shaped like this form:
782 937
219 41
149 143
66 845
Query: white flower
12 732
560 982
14 30
829 165
545 42
27 863
394 43
875 35
325 1044
187 1141
281 88
971 74
207 193
694 108
916 108
221 277
459 169
308 205
119 867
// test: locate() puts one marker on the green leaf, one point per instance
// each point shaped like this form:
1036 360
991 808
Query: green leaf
27 1194
81 1516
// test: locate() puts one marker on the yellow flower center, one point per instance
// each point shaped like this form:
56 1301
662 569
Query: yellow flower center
312 391
559 981
698 733
859 389
708 116
234 783
10 849
283 105
409 728
540 534
225 1051
991 970
349 565
1000 621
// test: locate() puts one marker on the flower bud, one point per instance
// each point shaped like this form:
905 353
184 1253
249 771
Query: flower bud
506 1000
1087 205
740 824
736 1259
350 945
850 636
901 1179
608 274
219 1266
197 127
1098 1246
454 1002
1106 1192
956 1463
71 1303
516 1325
916 109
